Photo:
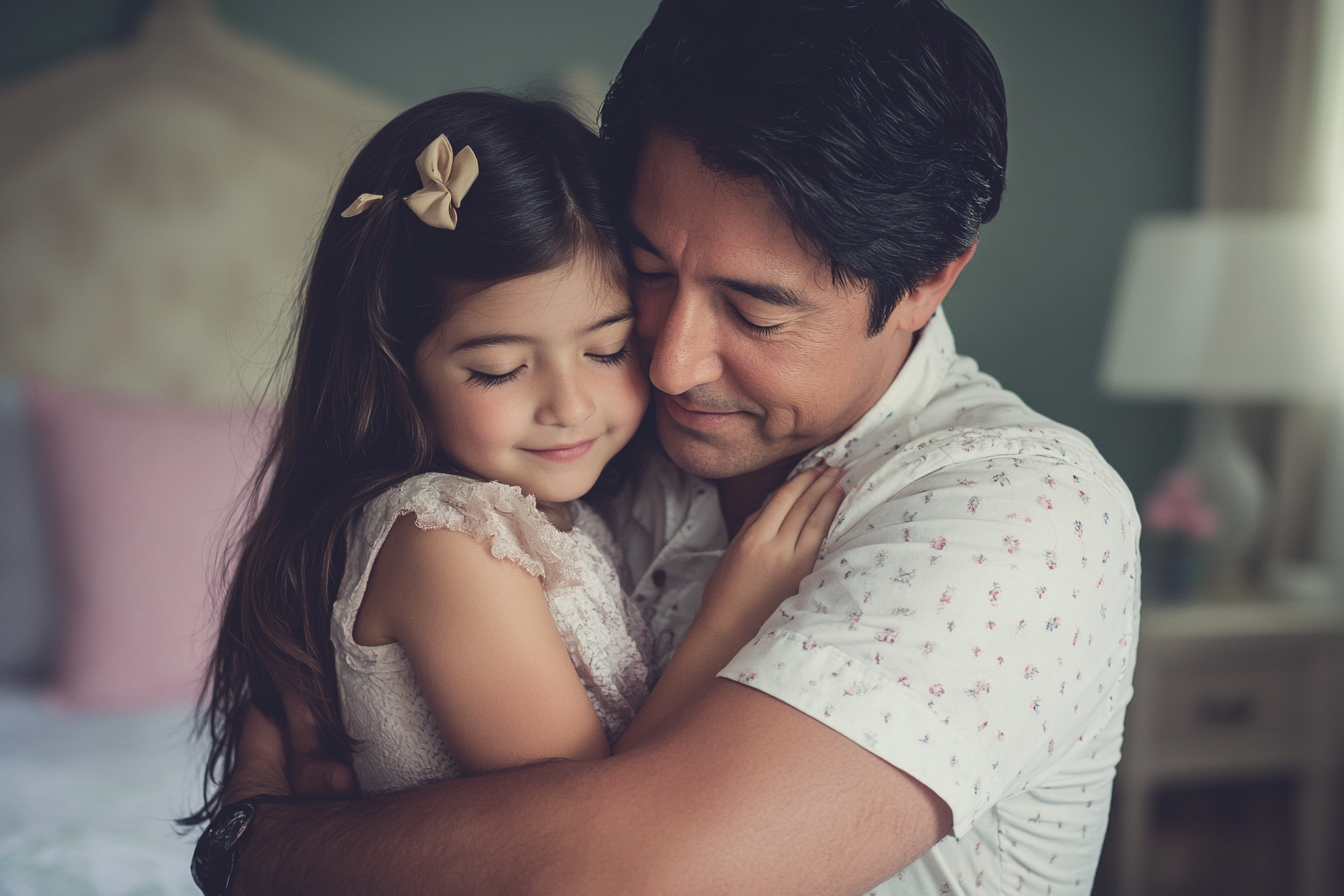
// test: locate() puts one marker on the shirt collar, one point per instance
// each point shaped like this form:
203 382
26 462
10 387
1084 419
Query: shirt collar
915 385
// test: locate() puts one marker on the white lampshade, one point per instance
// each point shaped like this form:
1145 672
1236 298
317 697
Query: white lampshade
1229 308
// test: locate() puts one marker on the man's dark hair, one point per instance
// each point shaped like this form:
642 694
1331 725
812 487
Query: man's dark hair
879 124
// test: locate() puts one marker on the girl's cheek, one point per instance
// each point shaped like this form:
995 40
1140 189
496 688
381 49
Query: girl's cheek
486 421
636 391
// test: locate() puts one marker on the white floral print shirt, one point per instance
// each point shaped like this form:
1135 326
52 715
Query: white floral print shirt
971 619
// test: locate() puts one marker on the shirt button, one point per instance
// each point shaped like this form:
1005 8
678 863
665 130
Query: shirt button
659 578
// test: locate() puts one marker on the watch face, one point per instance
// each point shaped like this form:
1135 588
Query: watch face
230 829
212 863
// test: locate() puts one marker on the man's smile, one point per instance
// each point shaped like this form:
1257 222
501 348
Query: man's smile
693 417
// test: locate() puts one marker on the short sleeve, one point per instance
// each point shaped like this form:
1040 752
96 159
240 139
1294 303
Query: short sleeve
971 629
497 515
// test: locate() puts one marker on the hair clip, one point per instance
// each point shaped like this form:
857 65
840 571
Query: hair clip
444 180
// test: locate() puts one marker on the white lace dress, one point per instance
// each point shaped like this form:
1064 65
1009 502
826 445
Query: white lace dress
398 744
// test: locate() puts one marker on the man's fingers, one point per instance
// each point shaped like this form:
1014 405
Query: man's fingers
312 772
261 759
303 733
320 777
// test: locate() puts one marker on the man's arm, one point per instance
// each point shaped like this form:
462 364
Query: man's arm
737 793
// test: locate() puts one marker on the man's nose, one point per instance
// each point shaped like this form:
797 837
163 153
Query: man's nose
567 402
685 347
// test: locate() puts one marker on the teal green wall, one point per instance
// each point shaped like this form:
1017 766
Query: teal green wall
409 49
1102 99
1102 128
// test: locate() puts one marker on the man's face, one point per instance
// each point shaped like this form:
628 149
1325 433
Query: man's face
756 354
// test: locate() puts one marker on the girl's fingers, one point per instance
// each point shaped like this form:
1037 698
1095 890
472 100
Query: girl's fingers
804 508
819 521
777 506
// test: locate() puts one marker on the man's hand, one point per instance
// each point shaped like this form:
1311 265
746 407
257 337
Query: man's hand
265 766
312 773
261 761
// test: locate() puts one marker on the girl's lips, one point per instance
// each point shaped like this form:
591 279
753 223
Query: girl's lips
693 419
563 453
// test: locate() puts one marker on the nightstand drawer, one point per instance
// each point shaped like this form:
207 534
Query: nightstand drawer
1233 695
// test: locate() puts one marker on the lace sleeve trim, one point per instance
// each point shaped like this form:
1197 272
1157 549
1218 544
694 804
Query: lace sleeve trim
497 514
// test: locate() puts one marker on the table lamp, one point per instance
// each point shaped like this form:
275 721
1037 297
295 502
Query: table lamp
1220 310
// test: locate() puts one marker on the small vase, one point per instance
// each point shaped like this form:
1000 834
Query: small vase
1172 567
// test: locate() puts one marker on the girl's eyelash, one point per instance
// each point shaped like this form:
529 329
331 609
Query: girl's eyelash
486 380
616 357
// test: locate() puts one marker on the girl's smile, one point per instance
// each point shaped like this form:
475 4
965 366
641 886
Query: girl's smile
563 453
532 382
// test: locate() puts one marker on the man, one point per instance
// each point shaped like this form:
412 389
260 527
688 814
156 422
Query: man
806 181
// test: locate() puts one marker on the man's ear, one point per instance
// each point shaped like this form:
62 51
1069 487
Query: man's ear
915 310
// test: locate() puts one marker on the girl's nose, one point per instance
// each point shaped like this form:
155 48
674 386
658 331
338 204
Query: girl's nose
568 404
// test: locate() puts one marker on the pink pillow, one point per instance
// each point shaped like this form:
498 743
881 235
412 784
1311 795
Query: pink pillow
138 496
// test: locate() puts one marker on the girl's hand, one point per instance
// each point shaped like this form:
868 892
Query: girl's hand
762 567
775 550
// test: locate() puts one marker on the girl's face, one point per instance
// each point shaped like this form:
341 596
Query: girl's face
533 381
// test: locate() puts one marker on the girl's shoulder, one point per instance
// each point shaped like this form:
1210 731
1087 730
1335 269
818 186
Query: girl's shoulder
499 517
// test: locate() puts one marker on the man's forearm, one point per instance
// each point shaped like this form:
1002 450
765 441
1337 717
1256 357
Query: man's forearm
480 835
740 793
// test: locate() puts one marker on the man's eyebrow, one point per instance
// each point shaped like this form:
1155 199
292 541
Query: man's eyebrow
637 238
517 338
766 292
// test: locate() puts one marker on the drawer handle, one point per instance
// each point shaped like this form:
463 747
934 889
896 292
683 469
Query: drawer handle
1226 711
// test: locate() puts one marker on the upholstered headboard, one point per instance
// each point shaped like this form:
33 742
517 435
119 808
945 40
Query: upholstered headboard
156 203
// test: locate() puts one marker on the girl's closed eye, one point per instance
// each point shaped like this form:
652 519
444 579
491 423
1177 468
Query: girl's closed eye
619 356
487 380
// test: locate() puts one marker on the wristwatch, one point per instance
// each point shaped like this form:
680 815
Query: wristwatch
217 851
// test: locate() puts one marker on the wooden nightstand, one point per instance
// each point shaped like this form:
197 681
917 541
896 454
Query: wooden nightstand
1225 692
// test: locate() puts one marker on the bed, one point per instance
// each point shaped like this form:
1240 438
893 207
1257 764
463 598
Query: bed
88 799
106 615
168 188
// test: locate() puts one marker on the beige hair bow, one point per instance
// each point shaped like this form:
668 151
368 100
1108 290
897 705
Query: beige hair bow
444 180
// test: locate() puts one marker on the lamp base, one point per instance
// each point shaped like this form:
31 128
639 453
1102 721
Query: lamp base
1232 483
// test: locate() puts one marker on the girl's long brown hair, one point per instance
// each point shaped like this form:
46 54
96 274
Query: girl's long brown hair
351 423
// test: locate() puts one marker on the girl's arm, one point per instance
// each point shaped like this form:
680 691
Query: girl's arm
762 567
485 650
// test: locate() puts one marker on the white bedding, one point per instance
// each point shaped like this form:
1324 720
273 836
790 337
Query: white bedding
87 801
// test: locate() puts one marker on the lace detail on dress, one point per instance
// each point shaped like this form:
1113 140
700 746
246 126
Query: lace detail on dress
582 572
620 665
496 514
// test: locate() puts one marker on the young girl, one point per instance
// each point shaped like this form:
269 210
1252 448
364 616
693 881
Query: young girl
419 572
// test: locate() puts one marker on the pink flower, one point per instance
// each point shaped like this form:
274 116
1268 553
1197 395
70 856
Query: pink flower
1178 506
